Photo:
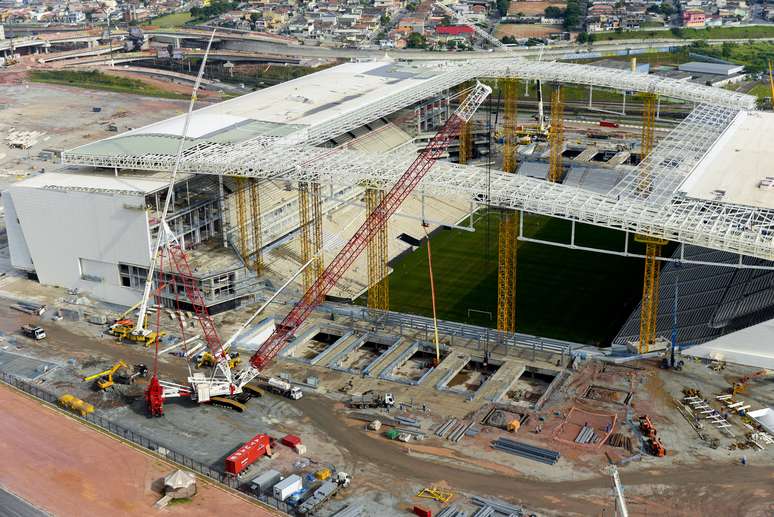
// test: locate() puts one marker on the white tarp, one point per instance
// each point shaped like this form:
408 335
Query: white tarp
765 417
748 347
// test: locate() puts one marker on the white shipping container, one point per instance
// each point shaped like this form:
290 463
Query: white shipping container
287 487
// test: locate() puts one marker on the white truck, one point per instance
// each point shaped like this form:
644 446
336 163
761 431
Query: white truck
33 332
284 388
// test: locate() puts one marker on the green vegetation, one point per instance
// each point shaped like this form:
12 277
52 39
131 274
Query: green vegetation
211 11
96 80
572 14
502 7
416 40
180 500
754 55
170 20
562 293
754 31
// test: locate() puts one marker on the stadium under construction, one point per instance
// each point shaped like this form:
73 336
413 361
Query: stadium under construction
385 217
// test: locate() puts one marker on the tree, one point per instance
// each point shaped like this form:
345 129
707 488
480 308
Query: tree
552 12
572 14
667 9
508 40
583 37
416 40
502 7
727 49
677 32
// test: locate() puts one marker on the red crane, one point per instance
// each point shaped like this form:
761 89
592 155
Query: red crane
204 389
378 218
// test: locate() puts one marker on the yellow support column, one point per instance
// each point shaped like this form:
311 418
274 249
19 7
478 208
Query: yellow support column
317 234
646 144
257 226
378 274
305 233
556 135
650 289
465 137
509 224
241 212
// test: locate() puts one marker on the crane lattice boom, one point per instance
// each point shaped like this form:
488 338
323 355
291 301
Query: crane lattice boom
378 218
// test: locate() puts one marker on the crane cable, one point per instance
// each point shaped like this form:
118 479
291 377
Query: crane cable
432 295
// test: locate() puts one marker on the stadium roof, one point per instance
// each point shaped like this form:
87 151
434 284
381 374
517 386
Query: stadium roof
738 168
277 111
99 182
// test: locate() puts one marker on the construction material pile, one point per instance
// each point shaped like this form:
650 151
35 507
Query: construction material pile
526 451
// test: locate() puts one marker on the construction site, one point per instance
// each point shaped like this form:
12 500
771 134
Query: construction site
386 288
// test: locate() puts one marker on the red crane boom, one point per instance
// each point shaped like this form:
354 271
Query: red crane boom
375 220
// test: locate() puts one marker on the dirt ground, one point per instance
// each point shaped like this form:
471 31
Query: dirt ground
533 8
524 30
68 469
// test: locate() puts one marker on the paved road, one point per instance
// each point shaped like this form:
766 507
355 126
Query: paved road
12 506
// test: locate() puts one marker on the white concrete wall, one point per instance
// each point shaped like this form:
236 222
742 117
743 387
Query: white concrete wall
20 255
72 234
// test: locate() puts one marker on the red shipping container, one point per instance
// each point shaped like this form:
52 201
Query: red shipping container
422 512
247 454
291 440
607 123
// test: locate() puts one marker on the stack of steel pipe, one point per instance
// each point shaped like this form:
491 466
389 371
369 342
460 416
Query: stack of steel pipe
497 507
459 433
451 511
446 428
484 511
586 435
527 451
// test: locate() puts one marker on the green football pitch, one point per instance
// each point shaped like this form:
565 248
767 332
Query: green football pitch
561 293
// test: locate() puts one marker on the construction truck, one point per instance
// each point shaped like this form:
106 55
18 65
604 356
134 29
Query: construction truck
33 332
122 330
104 379
372 399
284 388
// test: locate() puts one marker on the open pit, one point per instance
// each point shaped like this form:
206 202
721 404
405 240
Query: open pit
532 384
472 376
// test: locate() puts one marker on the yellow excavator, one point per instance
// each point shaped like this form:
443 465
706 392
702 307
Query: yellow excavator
104 379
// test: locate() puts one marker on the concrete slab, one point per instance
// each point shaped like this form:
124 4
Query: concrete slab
23 366
502 381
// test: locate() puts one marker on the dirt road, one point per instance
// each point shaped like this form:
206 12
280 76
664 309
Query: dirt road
66 468
685 491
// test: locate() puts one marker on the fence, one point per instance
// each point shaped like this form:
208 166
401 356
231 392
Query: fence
482 337
162 450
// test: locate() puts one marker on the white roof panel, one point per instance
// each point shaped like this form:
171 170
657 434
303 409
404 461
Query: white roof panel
738 168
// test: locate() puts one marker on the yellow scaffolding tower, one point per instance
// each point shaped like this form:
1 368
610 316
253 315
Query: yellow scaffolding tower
241 213
310 226
465 137
646 144
257 226
556 135
509 224
649 308
650 284
378 274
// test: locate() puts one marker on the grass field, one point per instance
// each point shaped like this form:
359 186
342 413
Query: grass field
698 34
566 294
96 80
170 20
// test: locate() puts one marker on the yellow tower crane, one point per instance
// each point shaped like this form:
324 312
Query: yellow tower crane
508 231
378 274
653 245
556 135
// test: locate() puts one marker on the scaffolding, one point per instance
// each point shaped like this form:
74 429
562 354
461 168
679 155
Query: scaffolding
509 224
465 136
649 306
241 213
310 229
256 252
556 135
378 257
646 144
